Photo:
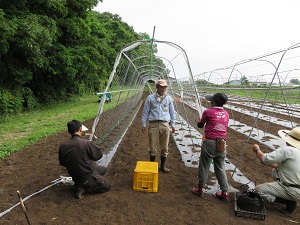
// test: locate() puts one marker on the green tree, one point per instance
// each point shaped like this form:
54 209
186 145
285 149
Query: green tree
51 50
244 80
202 82
294 81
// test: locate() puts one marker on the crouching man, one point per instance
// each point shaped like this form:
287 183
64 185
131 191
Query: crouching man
285 161
78 156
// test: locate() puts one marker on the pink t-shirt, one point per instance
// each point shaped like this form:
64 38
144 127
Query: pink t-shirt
216 122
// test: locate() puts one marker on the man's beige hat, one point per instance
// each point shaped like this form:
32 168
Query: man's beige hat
292 137
162 83
84 128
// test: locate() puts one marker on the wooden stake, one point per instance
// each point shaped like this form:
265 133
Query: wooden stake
23 207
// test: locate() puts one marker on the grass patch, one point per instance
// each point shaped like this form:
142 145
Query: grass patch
23 129
289 95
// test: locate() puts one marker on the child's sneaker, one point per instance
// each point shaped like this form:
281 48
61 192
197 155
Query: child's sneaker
222 196
198 191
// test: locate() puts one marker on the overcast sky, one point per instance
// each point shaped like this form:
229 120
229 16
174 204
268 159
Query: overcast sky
214 33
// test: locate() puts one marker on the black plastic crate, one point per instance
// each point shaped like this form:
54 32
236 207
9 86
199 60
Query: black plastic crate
252 215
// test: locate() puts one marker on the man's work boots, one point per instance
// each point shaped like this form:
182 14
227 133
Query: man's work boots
290 206
79 192
163 165
152 158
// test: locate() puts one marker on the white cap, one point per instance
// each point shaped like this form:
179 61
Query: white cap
84 128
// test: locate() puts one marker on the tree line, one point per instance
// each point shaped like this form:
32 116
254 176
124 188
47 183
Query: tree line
51 50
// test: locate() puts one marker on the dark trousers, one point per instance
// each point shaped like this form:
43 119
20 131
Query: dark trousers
97 183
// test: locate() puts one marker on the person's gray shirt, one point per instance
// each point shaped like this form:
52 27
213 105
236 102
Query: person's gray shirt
288 160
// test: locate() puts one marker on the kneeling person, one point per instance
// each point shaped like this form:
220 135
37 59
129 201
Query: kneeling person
78 156
285 161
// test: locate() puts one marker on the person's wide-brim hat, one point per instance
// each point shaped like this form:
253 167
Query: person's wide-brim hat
291 136
162 83
219 98
84 128
209 98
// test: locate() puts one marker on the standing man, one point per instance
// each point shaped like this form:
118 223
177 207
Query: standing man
285 161
216 121
159 111
78 156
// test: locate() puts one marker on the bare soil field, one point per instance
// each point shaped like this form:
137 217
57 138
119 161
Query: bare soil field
34 167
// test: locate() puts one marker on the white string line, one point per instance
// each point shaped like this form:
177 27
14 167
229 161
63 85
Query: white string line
61 179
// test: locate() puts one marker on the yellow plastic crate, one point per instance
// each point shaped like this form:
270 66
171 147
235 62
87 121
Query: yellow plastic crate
145 176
